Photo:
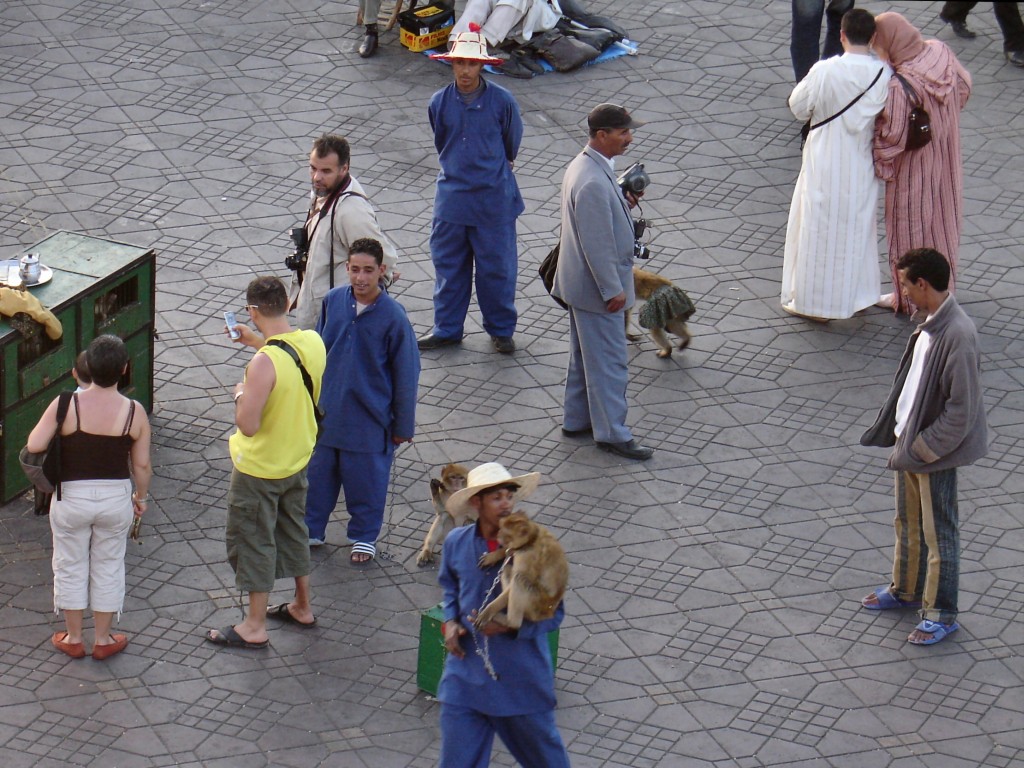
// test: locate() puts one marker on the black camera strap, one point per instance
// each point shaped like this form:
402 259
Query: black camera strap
841 111
332 203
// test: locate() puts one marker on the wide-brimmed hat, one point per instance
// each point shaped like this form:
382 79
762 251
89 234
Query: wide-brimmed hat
468 45
487 476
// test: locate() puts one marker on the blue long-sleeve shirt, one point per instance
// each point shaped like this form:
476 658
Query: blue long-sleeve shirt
475 145
373 369
526 682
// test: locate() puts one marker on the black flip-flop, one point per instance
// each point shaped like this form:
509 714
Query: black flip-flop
281 612
231 639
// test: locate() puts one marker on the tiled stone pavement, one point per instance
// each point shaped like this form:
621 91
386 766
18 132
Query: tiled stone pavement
713 617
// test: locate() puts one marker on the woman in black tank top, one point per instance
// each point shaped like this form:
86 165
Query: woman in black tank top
104 445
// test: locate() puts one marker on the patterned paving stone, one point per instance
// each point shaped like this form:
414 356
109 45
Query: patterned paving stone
712 618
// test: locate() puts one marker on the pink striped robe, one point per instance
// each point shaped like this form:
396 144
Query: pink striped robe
923 187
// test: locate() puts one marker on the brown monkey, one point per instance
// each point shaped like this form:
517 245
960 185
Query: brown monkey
533 584
667 308
453 478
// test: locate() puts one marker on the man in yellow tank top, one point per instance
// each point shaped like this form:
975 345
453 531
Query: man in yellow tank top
266 532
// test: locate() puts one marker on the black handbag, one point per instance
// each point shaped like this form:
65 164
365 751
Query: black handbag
547 273
563 53
43 469
919 128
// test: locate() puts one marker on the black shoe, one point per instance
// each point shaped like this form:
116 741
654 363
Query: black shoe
630 450
430 341
369 45
577 432
960 29
1015 57
504 344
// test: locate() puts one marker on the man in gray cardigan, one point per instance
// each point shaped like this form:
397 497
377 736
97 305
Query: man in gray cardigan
595 278
934 419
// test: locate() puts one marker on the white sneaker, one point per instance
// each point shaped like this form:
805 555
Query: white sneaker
315 542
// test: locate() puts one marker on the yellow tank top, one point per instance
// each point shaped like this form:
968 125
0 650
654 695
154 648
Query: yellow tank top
284 442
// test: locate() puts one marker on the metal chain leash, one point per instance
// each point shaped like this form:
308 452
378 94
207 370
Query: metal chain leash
483 650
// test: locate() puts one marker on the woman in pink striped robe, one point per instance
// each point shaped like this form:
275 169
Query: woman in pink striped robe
923 187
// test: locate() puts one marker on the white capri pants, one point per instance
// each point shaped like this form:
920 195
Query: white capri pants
90 534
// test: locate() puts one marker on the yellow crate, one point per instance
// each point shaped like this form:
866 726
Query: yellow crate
421 29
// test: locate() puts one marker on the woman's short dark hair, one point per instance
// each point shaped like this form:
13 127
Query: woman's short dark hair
927 263
268 294
106 357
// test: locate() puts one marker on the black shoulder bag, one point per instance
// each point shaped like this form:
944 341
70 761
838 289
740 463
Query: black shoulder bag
547 273
807 127
318 414
43 469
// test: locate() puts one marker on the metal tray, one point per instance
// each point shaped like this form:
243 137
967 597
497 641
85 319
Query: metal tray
45 274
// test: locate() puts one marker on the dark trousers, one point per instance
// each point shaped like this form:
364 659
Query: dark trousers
807 14
1007 15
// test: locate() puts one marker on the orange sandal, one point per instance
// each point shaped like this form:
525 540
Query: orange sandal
101 652
74 650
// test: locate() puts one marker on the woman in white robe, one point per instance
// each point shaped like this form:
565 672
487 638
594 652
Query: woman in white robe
830 266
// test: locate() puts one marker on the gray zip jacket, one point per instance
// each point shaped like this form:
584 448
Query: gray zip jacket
946 426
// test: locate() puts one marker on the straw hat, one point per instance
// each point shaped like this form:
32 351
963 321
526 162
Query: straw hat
489 476
468 45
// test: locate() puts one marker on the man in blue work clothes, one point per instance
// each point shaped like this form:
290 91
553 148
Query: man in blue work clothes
496 679
368 398
477 130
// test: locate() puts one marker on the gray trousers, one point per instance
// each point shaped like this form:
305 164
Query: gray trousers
370 10
595 384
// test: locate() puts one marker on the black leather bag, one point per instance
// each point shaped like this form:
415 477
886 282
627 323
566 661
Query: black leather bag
43 469
563 53
919 128
547 273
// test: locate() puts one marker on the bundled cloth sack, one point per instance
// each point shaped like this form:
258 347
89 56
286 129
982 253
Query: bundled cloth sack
14 301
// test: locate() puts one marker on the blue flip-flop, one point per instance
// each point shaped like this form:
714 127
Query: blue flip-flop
887 601
937 631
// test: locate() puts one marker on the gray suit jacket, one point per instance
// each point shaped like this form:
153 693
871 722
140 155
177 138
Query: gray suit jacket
595 262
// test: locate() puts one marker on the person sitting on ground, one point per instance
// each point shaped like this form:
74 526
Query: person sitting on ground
499 20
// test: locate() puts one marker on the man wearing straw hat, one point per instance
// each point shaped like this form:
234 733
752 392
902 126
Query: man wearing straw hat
477 130
495 680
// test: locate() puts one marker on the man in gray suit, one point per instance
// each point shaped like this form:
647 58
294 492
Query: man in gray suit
595 278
